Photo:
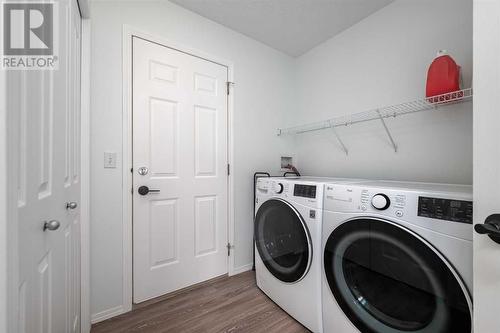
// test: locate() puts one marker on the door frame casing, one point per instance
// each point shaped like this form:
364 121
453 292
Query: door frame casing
128 33
85 175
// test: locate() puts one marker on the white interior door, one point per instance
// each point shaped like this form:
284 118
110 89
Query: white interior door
180 141
47 105
486 162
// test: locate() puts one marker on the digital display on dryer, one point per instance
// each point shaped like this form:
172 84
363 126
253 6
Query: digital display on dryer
306 191
445 209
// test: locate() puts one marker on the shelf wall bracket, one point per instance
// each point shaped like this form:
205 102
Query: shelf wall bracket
388 132
342 145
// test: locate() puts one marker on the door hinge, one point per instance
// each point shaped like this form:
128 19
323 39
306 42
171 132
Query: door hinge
228 169
229 247
228 85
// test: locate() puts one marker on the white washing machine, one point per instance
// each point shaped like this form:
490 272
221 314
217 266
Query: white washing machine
397 257
288 245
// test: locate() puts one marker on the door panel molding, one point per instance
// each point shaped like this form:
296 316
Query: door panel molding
161 73
10 291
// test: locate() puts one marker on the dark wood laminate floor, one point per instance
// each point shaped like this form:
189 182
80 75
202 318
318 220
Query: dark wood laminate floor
228 304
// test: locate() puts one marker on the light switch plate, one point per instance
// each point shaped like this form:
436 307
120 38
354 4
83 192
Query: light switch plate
110 160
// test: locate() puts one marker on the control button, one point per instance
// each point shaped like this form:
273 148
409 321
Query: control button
363 207
279 188
399 213
365 196
381 201
400 200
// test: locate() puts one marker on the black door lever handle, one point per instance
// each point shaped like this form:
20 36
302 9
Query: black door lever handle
143 190
490 227
487 229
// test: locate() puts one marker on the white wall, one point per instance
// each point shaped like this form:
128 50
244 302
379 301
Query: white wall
262 96
381 61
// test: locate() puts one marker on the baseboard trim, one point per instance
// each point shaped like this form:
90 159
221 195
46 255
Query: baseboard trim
106 314
242 269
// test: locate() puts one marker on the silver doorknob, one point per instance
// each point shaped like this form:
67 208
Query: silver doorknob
143 171
51 225
71 205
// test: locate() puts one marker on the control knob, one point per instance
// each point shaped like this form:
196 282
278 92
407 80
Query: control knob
381 201
279 188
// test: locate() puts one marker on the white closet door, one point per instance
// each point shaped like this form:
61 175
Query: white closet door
486 162
180 138
48 139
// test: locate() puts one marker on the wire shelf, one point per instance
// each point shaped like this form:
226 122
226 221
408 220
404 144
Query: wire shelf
418 105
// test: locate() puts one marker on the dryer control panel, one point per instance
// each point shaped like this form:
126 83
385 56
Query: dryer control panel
306 193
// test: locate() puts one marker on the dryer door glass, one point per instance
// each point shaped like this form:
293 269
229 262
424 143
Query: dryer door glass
387 279
282 240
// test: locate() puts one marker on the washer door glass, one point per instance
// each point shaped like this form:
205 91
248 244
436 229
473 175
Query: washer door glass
283 241
386 279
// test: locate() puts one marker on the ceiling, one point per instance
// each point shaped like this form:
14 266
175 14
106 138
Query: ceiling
291 26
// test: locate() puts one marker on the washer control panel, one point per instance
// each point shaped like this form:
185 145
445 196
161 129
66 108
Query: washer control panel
445 209
438 211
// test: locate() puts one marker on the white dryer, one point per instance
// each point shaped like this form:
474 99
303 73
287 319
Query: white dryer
397 257
288 245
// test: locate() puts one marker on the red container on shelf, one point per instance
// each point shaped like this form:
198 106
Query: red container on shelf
443 77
